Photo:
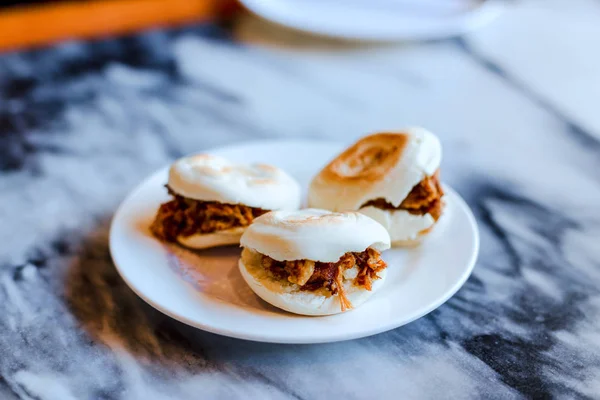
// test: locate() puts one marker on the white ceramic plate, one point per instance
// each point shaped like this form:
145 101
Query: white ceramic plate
380 19
205 289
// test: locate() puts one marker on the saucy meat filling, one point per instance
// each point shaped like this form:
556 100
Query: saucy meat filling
185 217
424 198
311 275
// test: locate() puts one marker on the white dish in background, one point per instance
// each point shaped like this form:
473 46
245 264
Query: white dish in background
380 20
205 289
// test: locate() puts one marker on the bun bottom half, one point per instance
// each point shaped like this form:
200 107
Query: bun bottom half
204 241
289 297
405 229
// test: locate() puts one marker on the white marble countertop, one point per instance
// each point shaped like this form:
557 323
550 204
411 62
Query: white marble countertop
514 104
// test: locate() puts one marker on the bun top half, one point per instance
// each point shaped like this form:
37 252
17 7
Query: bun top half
208 177
312 234
382 165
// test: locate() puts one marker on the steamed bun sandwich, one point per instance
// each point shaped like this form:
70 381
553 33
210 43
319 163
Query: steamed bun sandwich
391 177
314 262
215 200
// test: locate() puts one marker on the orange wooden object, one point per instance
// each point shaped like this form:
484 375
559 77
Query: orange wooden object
44 24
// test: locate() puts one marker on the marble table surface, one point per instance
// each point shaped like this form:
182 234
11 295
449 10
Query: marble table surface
515 105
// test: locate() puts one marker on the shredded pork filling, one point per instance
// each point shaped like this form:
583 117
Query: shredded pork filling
311 275
185 217
424 198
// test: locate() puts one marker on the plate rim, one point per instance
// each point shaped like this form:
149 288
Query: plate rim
461 203
466 22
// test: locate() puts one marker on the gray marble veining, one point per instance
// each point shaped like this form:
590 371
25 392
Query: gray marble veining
82 123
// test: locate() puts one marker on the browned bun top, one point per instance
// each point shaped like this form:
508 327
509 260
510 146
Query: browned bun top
369 159
382 165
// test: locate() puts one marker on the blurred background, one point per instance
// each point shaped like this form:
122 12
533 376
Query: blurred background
45 21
